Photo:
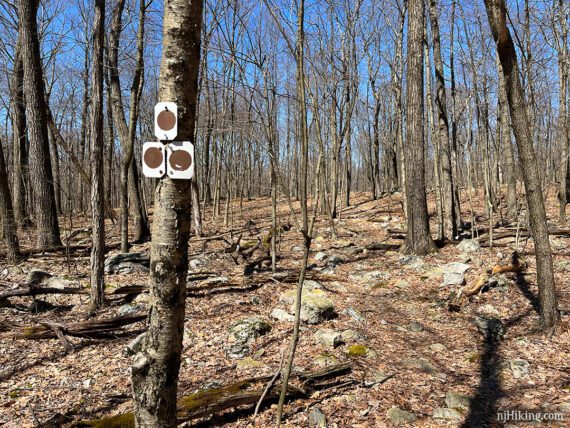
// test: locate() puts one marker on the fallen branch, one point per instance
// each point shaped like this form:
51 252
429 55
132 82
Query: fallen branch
90 329
214 400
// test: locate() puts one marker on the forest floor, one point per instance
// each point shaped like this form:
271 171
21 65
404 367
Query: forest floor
415 351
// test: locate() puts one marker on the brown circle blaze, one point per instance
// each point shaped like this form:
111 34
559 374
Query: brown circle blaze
180 160
153 157
166 120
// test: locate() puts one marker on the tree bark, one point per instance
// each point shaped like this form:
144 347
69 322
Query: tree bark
40 164
418 238
7 213
497 14
155 368
97 166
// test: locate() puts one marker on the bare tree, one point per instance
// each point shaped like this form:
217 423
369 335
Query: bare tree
97 167
156 366
418 238
497 14
40 164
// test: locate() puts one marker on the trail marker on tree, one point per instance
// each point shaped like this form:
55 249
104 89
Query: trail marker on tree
166 121
166 157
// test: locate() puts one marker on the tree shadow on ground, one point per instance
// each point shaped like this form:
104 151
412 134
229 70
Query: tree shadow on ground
525 290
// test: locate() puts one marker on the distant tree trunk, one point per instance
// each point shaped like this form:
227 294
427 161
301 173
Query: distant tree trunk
40 164
97 166
497 13
451 223
563 125
9 228
156 366
418 238
505 130
20 158
129 179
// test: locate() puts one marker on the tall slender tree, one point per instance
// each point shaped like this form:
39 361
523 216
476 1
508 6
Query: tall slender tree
156 366
497 14
40 164
97 167
7 213
418 238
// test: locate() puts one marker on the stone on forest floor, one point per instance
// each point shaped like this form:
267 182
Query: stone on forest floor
453 278
130 309
328 338
350 336
12 270
400 417
488 311
320 256
248 363
60 282
326 359
37 277
438 347
445 413
126 263
242 333
360 351
419 363
315 305
455 267
411 262
317 418
469 246
455 400
354 314
281 315
415 327
519 368
196 263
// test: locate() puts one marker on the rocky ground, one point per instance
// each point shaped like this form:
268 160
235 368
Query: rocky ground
414 362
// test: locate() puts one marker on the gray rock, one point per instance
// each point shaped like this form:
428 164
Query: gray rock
469 246
242 333
455 267
317 418
328 338
298 248
281 315
128 268
488 311
455 400
113 263
421 364
12 270
400 417
38 306
334 261
320 256
449 414
311 284
315 308
354 314
402 283
491 328
374 275
135 345
37 277
350 336
411 262
196 263
452 279
416 327
499 281
519 368
61 283
438 347
130 309
324 360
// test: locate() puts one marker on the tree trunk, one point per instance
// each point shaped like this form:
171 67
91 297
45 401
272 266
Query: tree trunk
155 368
20 161
97 166
497 13
9 228
451 223
505 135
418 238
40 164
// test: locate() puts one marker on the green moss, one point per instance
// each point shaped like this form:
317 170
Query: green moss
126 420
204 397
357 350
474 357
14 394
378 285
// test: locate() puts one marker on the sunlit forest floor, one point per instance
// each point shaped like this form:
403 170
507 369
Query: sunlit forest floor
414 350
